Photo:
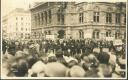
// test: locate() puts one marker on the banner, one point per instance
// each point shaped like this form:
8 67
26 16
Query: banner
50 37
109 38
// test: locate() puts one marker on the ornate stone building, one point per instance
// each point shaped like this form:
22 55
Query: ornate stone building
98 20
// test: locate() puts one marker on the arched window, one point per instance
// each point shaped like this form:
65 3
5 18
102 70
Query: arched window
117 18
109 15
81 15
61 16
81 34
108 33
96 34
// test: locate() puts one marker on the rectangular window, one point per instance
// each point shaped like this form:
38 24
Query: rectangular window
96 17
118 18
61 18
108 18
81 17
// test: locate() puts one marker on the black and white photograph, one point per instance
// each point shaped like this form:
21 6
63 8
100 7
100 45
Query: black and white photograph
59 39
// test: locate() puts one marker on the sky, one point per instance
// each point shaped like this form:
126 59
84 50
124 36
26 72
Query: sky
9 5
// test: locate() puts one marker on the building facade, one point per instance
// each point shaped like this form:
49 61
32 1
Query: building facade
17 24
97 20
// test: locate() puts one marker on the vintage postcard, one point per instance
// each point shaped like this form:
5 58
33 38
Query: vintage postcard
63 39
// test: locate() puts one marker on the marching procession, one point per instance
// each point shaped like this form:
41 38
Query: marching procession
63 58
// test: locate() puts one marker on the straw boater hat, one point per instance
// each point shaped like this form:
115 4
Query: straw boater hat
37 68
55 69
75 71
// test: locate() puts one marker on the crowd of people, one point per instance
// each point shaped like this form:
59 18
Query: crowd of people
63 58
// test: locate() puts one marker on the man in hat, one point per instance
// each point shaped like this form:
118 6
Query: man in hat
20 68
12 48
55 69
51 57
37 47
59 56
